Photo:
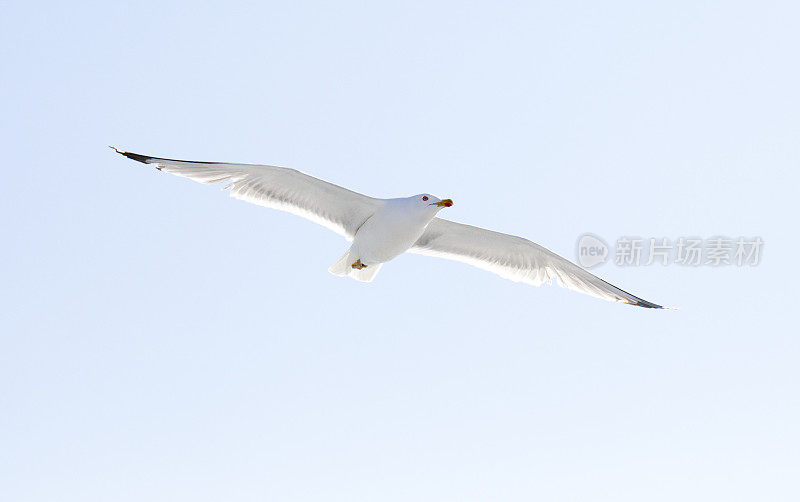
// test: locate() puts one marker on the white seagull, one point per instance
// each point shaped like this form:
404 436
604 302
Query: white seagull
381 229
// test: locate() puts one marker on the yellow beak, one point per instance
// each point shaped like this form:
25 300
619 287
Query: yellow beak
442 203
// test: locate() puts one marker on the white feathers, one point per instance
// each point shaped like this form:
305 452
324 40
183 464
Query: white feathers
394 226
343 268
514 258
332 206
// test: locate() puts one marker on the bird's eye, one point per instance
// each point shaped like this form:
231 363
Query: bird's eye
425 197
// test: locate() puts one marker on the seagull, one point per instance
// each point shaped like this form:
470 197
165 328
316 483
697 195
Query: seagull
381 229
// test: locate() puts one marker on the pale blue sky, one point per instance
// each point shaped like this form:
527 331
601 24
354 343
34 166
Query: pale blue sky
163 342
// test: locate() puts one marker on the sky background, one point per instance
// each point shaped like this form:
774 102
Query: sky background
161 341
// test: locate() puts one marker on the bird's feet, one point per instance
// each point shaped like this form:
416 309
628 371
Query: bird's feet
357 264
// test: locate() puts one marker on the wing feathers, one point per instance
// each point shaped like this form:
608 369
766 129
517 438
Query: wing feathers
515 258
344 211
332 206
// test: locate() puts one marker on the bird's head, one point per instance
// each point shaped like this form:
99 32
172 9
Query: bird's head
426 200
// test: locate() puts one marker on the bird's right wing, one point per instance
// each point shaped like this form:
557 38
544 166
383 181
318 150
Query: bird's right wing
514 258
332 206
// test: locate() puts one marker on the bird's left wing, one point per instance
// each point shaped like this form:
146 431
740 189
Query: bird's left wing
514 258
332 206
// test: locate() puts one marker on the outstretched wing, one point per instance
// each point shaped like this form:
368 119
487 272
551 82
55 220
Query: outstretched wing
514 258
332 206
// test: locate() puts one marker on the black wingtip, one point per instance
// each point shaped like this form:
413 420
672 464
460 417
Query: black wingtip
635 300
644 303
133 156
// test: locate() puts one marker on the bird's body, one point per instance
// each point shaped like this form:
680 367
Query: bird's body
390 231
381 229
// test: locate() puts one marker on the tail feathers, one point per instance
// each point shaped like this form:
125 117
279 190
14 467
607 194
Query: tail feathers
343 267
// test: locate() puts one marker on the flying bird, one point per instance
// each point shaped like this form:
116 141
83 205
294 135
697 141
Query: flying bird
381 229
